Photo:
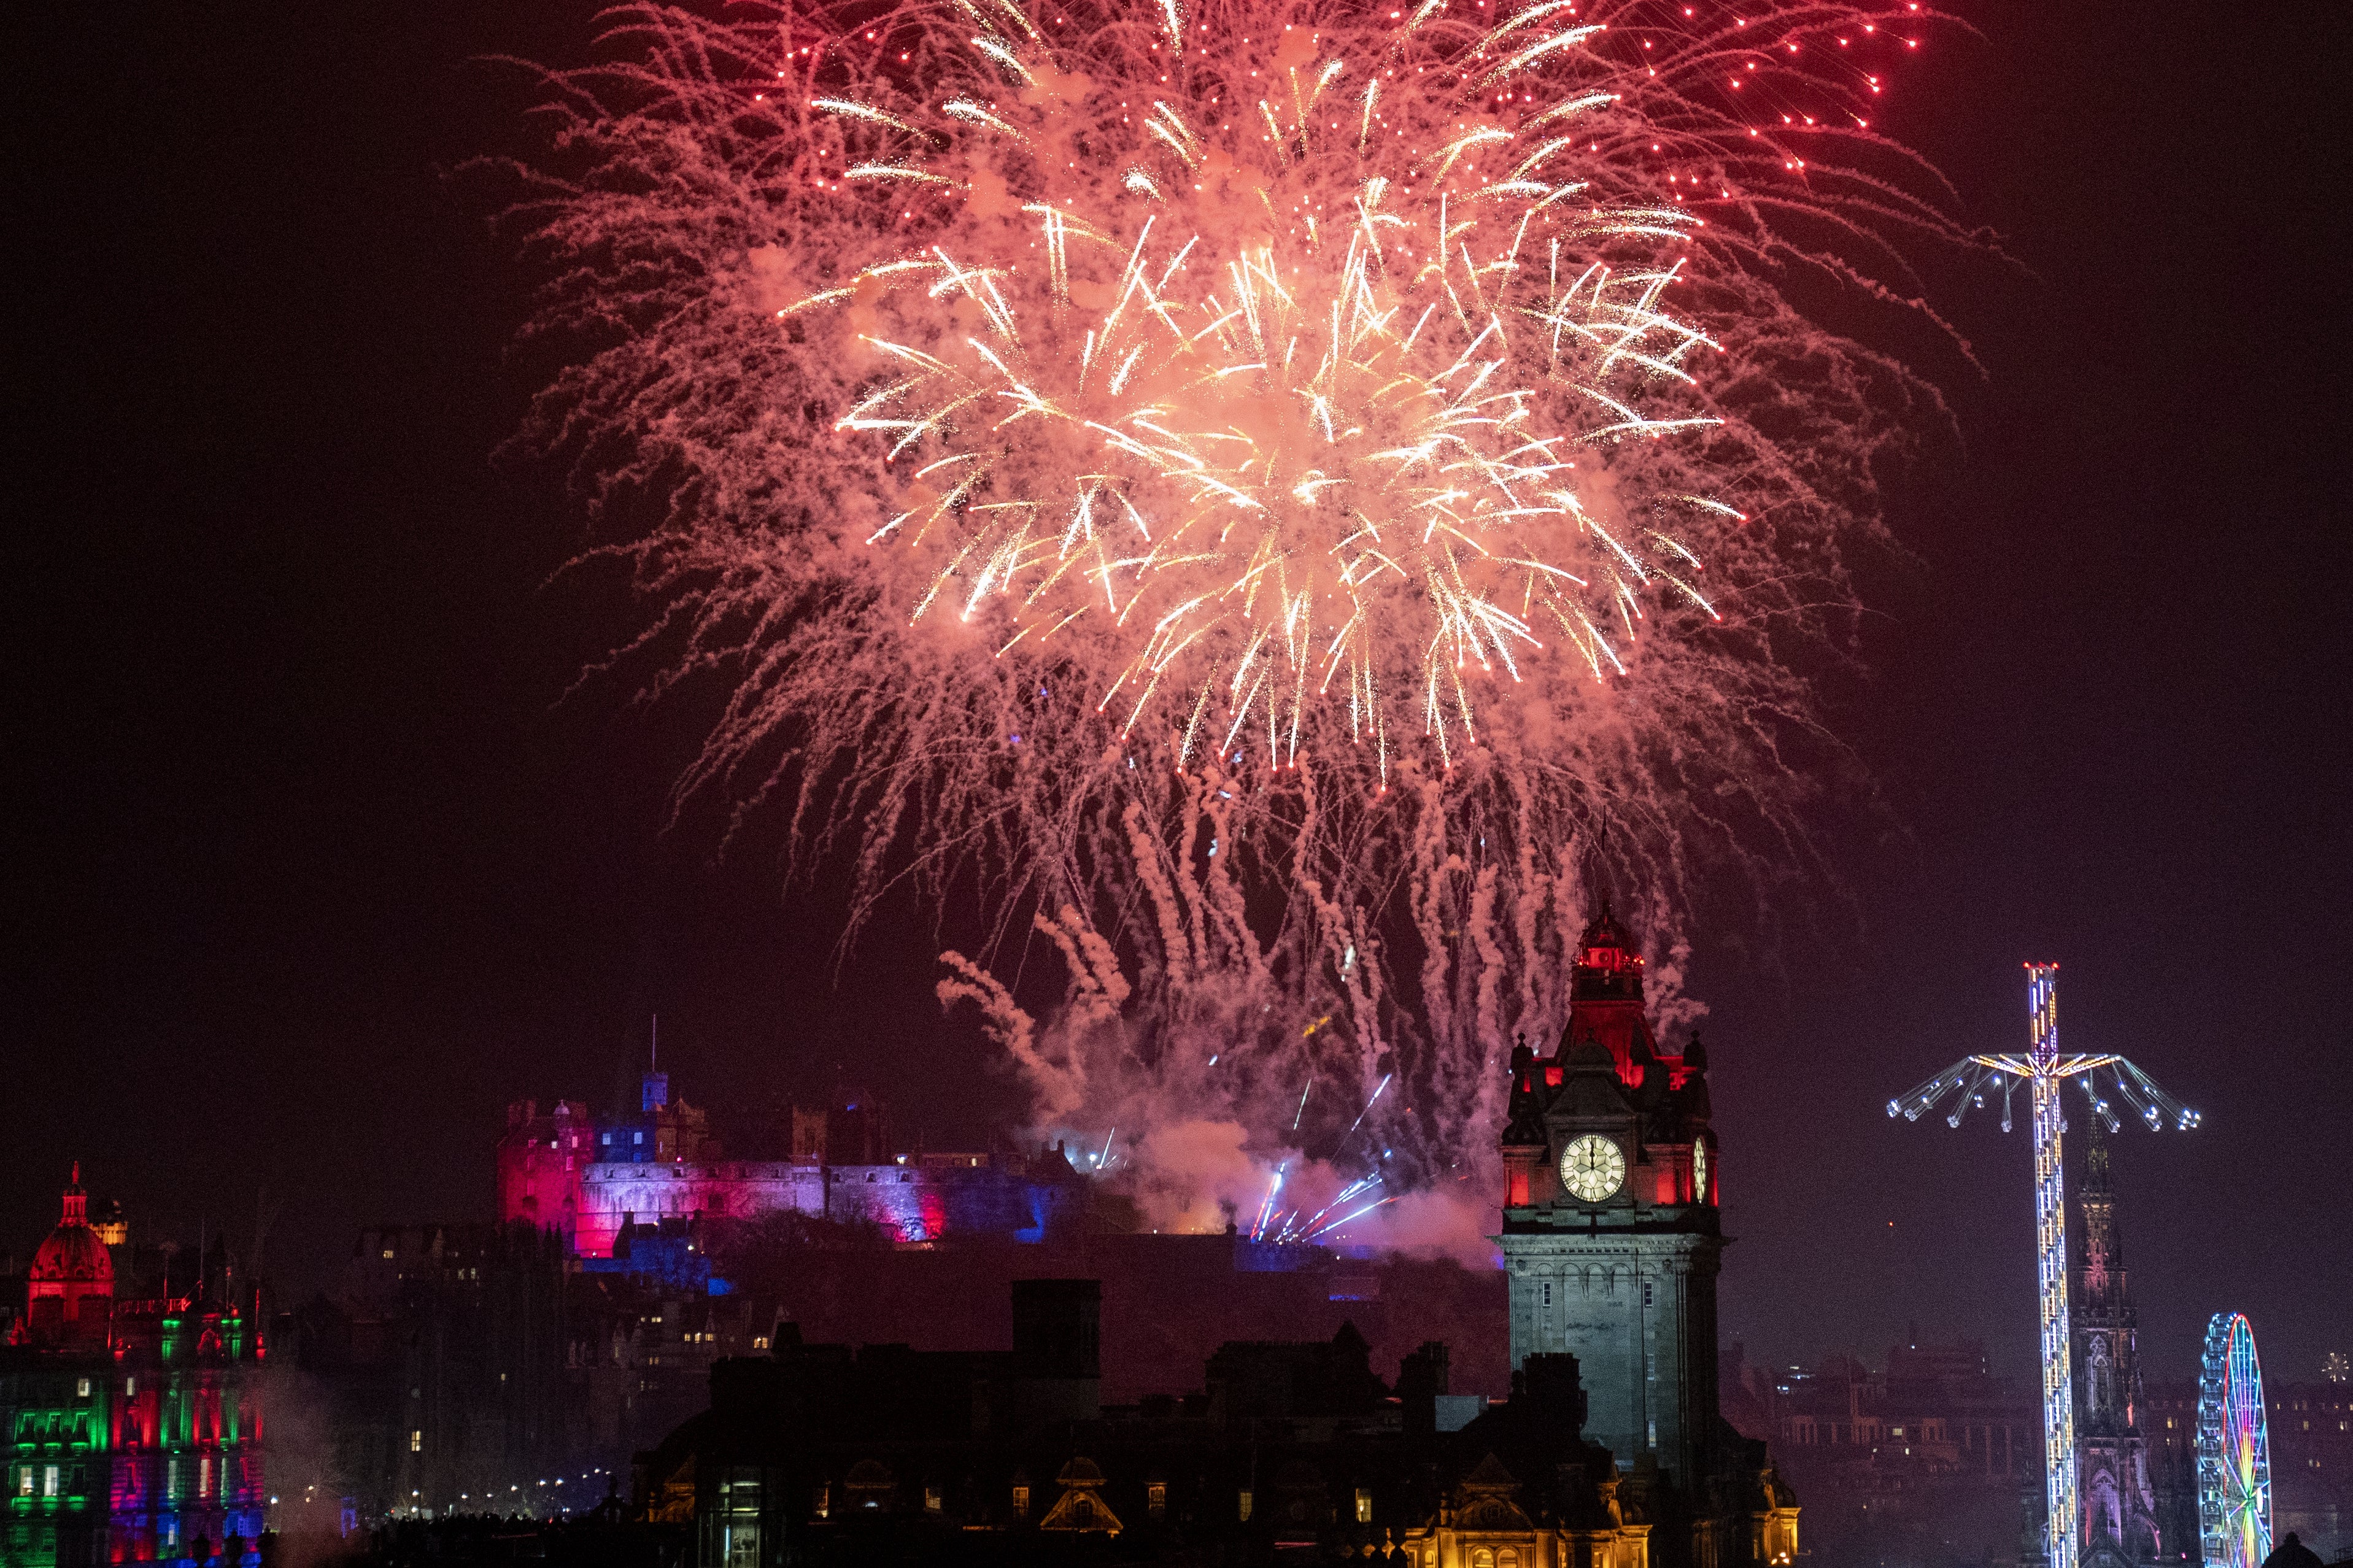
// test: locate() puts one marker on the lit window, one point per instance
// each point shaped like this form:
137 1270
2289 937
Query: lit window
1155 1499
49 1480
416 1442
825 1499
637 1137
931 1500
1364 1506
1243 1508
129 1386
387 1252
81 1391
1021 1501
25 1481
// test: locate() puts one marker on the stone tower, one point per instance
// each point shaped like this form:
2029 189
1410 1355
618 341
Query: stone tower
1610 1234
2120 1516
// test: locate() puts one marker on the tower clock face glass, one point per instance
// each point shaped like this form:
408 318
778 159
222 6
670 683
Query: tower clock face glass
1592 1167
1699 1173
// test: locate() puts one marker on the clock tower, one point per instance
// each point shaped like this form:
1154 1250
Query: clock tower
1610 1237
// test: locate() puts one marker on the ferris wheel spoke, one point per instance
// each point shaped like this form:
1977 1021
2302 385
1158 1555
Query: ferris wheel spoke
2234 1504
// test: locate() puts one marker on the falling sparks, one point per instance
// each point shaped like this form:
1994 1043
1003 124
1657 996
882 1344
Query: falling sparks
1242 485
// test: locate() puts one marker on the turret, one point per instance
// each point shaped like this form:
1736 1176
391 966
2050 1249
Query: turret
1605 997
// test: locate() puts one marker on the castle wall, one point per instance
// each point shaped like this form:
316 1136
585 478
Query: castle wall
612 1192
909 1203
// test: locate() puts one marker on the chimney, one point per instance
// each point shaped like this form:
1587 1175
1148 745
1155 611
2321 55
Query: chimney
1422 1378
1553 1388
1057 1327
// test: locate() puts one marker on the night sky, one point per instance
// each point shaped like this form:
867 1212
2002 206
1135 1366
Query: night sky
312 864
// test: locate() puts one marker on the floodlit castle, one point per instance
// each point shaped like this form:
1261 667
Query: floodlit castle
589 1178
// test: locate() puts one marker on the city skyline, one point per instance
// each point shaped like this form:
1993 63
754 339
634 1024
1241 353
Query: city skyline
321 866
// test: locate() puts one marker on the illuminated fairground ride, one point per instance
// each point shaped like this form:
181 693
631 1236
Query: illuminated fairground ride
1965 1084
2234 1467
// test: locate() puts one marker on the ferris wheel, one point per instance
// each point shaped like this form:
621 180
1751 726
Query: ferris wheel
2234 1467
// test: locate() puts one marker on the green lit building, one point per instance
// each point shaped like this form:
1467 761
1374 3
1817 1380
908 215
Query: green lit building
130 1428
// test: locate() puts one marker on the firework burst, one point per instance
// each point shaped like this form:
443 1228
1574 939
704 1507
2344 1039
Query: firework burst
1275 498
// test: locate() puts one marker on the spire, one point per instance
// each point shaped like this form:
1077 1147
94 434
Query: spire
77 1204
2096 1159
1603 931
1605 995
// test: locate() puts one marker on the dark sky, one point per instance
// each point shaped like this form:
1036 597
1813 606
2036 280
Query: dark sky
311 867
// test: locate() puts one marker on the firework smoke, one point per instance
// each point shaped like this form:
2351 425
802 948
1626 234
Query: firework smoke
1277 501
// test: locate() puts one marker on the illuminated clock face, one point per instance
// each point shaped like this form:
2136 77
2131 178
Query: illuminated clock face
1592 1167
1699 1173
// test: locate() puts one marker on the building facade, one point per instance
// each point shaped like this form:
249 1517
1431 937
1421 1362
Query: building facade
833 1453
443 1359
1923 1458
132 1423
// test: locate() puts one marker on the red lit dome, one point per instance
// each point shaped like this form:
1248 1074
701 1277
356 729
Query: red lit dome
70 1296
73 1253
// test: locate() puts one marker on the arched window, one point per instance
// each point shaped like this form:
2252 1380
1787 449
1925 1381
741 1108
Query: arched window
1483 1557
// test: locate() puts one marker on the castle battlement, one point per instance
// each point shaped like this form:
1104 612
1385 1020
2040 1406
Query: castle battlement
588 1177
